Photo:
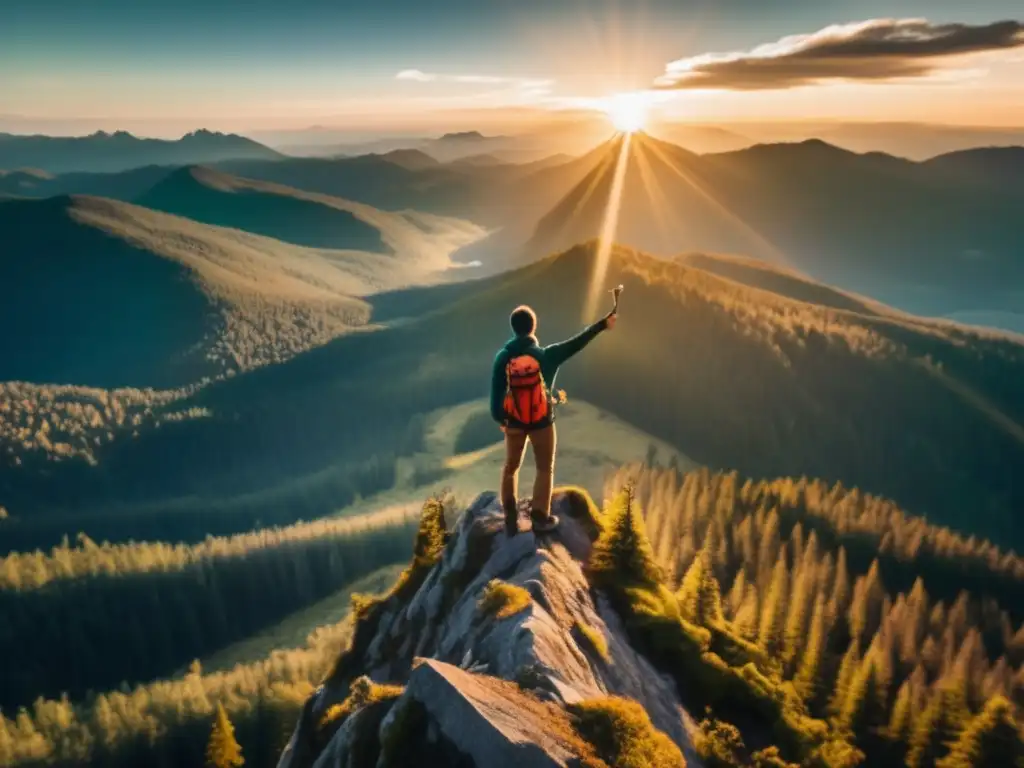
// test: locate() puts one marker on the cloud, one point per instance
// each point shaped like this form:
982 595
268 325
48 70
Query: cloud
525 83
873 50
415 75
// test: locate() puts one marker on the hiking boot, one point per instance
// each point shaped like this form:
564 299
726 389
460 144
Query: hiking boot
543 523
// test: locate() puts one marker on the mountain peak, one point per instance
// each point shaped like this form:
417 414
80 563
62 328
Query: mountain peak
463 136
480 626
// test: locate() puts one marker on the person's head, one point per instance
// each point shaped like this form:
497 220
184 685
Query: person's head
523 321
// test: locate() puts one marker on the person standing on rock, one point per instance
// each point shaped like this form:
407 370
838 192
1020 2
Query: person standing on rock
522 403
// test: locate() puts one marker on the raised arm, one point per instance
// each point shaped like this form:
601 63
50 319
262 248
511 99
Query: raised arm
563 350
498 385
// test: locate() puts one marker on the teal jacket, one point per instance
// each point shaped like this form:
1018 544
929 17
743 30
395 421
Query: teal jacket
549 357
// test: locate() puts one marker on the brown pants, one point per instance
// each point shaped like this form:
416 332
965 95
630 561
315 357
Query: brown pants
543 442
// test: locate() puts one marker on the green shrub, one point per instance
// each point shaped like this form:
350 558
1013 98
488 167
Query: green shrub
595 640
622 734
501 599
719 744
363 693
769 757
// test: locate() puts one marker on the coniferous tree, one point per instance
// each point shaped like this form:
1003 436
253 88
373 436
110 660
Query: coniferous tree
737 593
745 622
769 634
937 727
992 739
622 554
806 679
222 750
863 711
6 743
844 677
901 720
840 588
796 619
699 596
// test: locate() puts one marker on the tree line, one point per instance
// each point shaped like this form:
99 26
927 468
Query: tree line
911 677
87 617
166 724
190 519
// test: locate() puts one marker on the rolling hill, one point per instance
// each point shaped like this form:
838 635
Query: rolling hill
120 295
203 194
773 380
24 182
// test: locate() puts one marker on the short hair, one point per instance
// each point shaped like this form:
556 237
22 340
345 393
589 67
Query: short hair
523 320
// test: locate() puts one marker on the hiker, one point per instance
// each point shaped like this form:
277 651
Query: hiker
523 404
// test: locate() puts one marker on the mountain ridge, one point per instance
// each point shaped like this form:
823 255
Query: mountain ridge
120 151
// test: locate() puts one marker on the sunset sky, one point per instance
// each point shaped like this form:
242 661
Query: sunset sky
160 68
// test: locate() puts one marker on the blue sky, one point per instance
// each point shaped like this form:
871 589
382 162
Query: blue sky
262 64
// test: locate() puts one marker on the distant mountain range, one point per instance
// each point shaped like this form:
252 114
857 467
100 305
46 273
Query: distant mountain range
936 237
120 151
933 237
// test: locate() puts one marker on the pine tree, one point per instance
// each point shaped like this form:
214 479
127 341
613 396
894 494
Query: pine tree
863 711
847 669
737 592
622 555
840 589
902 714
864 608
222 751
745 621
938 727
796 620
769 634
699 597
806 679
991 740
6 743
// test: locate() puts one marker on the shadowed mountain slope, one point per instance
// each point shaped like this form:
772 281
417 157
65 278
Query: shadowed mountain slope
110 294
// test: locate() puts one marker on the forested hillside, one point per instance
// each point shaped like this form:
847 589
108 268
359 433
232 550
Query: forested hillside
734 376
87 617
895 631
143 299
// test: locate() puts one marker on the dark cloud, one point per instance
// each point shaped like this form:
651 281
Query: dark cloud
879 49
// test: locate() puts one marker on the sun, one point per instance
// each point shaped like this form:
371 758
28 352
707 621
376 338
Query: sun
627 111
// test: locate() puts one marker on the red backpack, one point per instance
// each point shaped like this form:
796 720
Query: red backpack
526 400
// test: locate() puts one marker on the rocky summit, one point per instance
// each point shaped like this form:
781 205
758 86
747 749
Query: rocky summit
493 651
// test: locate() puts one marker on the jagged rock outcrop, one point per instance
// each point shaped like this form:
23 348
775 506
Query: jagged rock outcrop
476 669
